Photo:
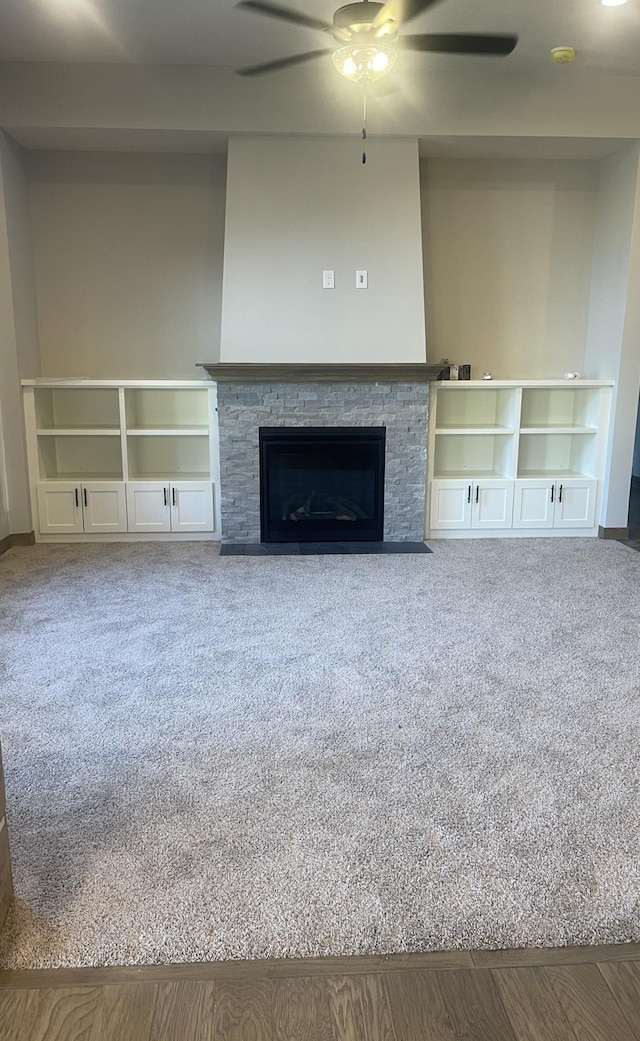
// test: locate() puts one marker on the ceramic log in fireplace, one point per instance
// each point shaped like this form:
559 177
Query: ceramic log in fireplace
322 484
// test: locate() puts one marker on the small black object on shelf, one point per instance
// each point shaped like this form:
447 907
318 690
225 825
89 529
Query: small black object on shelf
455 372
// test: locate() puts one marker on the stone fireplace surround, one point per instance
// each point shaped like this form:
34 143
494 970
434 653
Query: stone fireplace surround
393 396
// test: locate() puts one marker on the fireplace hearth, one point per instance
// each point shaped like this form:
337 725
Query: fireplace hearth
322 484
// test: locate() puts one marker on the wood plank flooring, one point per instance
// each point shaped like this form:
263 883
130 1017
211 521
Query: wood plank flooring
567 994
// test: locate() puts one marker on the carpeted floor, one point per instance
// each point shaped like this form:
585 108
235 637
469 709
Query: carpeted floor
213 757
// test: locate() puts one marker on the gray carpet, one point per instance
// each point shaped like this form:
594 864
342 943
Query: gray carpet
215 757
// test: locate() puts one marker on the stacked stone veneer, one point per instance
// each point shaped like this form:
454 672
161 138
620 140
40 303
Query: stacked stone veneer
400 407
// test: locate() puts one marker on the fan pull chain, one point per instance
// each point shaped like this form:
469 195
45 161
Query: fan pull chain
364 122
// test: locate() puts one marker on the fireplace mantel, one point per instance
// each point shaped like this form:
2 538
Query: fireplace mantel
275 372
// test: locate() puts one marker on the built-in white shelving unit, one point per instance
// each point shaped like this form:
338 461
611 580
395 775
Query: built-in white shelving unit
131 459
516 458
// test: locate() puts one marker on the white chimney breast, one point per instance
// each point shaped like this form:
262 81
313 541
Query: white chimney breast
294 202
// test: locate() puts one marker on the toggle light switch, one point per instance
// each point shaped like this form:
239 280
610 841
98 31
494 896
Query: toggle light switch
361 279
328 280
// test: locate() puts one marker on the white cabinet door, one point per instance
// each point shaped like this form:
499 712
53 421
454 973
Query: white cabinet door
533 504
575 503
492 505
59 508
148 506
191 506
105 506
450 505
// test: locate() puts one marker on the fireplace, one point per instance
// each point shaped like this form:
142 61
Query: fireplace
347 399
322 484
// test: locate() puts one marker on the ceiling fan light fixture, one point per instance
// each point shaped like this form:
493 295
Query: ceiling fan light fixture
357 61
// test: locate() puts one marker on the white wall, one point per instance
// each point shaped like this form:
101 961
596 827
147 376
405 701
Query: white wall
128 260
613 342
297 206
507 262
635 468
21 256
9 378
427 95
18 336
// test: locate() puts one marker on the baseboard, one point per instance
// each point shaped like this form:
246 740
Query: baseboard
23 538
612 533
19 538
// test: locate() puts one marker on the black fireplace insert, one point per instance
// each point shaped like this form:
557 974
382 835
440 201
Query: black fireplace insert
322 484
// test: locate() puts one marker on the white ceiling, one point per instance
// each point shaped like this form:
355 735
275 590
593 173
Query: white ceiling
213 32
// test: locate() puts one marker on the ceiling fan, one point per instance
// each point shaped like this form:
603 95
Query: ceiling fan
368 33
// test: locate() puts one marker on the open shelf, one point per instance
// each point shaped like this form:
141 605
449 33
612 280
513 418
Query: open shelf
556 408
466 455
168 457
81 457
557 455
156 411
482 410
74 409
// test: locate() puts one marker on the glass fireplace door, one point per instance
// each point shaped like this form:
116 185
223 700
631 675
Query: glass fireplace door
321 483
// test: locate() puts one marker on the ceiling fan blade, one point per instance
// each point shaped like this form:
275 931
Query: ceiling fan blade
402 11
281 63
459 43
285 14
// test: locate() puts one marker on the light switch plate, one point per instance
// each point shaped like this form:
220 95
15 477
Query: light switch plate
328 280
361 279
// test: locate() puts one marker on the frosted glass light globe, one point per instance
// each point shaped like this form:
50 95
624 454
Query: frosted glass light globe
356 61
